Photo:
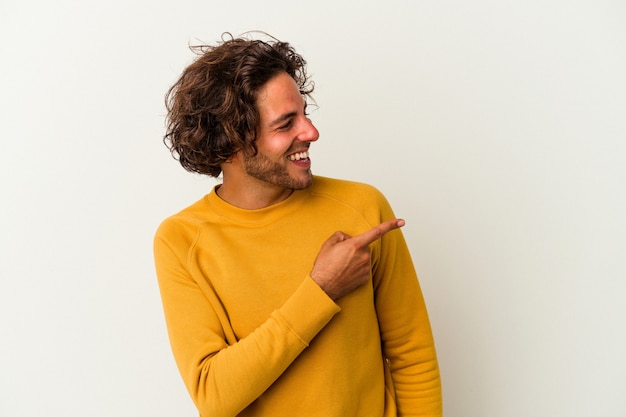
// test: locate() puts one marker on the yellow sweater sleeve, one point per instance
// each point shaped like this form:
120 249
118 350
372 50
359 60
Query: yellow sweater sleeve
405 329
224 375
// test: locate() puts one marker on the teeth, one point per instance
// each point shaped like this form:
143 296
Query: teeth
298 156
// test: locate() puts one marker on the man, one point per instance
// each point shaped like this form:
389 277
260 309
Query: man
285 294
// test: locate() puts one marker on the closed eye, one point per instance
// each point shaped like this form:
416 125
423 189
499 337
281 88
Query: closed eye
286 126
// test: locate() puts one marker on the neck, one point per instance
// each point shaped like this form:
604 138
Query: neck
252 198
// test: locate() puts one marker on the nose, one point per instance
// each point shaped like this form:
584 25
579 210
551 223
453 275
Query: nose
309 132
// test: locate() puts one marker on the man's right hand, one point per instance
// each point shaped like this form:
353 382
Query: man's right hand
343 263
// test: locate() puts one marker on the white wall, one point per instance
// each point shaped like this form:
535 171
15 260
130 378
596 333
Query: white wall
496 128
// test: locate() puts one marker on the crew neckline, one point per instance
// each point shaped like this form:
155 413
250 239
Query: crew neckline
260 216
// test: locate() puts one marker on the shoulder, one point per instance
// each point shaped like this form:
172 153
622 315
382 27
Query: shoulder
361 197
348 191
184 224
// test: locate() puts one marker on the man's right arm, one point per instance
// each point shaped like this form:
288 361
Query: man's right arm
223 374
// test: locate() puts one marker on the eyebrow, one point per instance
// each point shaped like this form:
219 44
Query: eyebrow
282 118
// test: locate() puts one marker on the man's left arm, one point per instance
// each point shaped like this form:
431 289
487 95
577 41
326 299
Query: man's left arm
404 325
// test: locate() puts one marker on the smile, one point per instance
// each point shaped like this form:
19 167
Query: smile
299 156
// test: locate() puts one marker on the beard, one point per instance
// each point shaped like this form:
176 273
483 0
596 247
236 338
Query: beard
265 169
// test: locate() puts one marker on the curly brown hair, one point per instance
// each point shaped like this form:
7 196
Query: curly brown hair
211 112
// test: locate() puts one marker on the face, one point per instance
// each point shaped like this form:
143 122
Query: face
285 134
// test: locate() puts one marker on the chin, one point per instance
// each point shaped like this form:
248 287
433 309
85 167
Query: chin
304 183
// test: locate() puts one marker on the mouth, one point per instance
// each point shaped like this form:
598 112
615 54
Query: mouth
299 156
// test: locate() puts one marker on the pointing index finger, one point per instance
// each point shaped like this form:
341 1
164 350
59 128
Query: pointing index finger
377 232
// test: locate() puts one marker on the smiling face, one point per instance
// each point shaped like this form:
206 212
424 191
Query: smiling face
284 136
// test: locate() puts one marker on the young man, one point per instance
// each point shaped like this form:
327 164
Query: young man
285 294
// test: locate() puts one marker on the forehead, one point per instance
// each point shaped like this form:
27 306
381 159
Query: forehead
279 95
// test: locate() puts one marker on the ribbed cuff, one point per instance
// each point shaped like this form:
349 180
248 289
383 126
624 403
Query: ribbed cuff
308 310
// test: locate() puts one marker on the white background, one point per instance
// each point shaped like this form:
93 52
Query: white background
495 128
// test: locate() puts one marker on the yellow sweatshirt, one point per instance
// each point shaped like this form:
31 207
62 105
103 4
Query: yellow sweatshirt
254 335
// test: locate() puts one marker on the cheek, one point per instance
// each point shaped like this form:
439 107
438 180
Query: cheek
275 146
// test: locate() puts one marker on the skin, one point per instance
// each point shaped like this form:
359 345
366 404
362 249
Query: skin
254 182
343 263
